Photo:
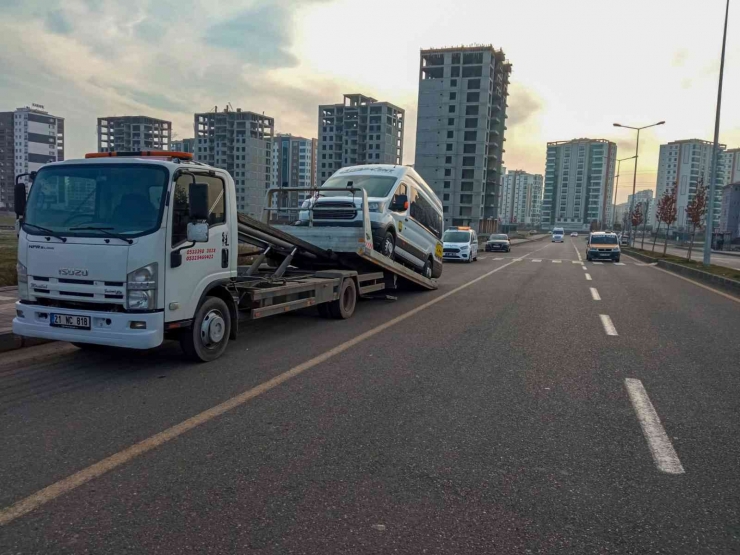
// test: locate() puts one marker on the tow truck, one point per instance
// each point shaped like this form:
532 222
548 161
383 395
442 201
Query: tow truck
129 249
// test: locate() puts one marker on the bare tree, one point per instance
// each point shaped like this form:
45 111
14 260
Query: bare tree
659 210
670 214
636 219
696 209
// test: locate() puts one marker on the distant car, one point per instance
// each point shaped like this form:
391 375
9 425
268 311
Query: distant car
603 246
574 234
498 242
624 240
533 232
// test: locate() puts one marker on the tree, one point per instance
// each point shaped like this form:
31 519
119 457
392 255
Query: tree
636 216
696 209
670 213
659 209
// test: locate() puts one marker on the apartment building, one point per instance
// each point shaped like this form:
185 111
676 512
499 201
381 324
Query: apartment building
521 196
579 184
182 145
620 215
461 121
731 166
133 133
29 138
294 166
644 197
730 212
683 163
241 143
361 130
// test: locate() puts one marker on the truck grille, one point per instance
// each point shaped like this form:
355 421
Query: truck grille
338 211
64 292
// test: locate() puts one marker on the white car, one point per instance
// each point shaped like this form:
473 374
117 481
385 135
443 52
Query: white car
574 234
460 243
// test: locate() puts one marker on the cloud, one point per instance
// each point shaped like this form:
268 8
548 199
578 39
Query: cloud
56 22
523 105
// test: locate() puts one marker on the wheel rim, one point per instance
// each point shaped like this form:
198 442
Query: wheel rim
428 271
212 329
388 246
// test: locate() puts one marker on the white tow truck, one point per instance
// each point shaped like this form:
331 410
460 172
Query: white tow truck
130 249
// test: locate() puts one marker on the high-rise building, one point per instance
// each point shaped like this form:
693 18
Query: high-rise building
133 133
294 166
644 197
731 164
730 212
182 145
521 198
620 215
241 143
579 184
361 130
683 163
29 138
460 127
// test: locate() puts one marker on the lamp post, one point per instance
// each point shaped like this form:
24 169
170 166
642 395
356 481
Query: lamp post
637 152
713 176
614 204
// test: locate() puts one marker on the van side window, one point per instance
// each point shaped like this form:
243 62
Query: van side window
424 213
402 190
181 205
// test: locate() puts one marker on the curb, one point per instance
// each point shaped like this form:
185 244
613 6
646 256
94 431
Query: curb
719 281
11 342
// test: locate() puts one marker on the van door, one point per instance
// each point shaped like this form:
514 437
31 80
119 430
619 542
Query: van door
202 263
421 241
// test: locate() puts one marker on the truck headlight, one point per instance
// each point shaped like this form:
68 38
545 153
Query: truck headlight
22 281
375 206
141 288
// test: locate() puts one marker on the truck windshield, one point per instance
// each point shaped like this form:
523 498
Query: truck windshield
377 186
124 199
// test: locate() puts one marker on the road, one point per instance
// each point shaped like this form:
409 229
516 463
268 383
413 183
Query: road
508 412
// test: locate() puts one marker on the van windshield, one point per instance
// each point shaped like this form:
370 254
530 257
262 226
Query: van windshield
118 198
378 186
604 240
456 237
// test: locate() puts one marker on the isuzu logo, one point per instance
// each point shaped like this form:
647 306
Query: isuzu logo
72 272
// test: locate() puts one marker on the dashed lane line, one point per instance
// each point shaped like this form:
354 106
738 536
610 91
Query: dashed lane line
588 277
661 448
595 294
608 324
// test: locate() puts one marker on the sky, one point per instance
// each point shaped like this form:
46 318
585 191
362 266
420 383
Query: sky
578 65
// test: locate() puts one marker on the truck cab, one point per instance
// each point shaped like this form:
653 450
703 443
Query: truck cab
121 250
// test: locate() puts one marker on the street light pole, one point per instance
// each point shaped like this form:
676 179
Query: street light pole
713 176
614 204
644 225
637 152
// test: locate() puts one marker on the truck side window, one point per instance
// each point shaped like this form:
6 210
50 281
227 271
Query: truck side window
181 205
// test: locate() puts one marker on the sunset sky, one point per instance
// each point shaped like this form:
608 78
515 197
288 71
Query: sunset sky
578 65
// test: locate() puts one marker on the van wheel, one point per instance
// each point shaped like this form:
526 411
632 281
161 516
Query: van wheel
344 306
388 246
426 270
206 340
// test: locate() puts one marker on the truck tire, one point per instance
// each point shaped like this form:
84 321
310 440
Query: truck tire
344 306
208 337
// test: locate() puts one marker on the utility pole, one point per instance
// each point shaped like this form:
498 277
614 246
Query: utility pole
713 176
644 224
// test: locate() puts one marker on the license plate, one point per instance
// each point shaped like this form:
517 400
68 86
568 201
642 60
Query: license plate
70 321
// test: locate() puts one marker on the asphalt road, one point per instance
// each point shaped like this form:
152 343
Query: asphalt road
496 419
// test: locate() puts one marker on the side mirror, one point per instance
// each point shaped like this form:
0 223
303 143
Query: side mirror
399 202
19 193
198 232
198 196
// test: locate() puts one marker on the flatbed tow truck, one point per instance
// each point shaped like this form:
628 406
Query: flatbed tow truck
130 249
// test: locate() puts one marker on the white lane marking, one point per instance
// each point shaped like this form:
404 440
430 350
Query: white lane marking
575 261
584 267
556 261
482 258
57 489
608 324
537 260
8 299
517 260
595 294
498 258
619 263
599 263
661 448
576 249
588 277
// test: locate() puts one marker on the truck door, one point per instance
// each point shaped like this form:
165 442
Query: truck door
202 263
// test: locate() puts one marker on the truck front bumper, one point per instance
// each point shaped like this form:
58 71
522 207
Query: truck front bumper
106 328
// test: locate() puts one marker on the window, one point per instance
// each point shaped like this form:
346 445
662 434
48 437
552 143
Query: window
473 71
424 213
453 82
468 174
453 96
466 185
468 161
471 122
466 211
455 71
181 205
466 199
446 196
451 108
449 147
450 121
471 135
473 83
448 159
450 134
469 149
471 110
448 172
446 184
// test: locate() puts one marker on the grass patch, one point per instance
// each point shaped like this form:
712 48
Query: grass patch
8 257
7 219
722 271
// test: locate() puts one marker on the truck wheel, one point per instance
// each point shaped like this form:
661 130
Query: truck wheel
206 340
344 306
426 270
